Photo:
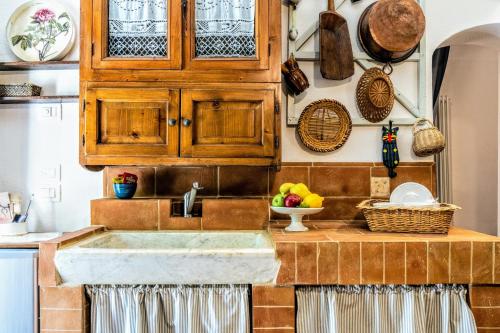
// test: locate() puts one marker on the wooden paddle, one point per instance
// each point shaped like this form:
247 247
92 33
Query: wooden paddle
336 58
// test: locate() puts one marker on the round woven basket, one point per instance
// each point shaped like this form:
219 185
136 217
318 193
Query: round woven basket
324 125
375 95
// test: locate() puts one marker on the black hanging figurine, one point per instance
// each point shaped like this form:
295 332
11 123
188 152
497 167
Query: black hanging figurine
390 154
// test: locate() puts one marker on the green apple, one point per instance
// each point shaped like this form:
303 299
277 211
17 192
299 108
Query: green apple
279 200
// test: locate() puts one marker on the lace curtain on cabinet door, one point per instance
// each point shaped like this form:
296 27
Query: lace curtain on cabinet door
225 28
137 28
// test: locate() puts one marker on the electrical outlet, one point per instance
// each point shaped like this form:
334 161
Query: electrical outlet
380 187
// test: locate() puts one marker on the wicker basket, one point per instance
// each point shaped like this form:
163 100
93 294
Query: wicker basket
375 95
19 90
427 139
425 220
324 125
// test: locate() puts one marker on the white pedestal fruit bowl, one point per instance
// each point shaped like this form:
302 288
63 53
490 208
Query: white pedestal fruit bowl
296 215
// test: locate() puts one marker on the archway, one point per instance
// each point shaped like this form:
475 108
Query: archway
468 112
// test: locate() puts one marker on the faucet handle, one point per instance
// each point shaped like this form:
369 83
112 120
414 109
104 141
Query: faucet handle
197 186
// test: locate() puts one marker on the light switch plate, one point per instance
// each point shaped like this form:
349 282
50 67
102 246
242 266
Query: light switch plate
49 192
380 187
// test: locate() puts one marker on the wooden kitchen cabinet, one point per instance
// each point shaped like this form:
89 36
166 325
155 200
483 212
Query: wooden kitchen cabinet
131 122
227 123
169 82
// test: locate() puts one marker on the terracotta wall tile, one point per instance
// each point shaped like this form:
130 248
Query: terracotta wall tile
460 262
372 263
115 214
273 296
341 181
268 317
439 262
235 214
482 262
328 262
484 296
395 258
168 222
307 258
416 263
62 297
145 183
487 317
243 181
418 174
47 273
61 319
349 263
287 175
175 181
340 209
488 330
286 253
497 262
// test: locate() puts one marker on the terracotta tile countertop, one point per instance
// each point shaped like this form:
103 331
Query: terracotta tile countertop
346 254
347 231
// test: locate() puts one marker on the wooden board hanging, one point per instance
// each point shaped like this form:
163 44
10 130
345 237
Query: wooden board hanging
375 95
324 125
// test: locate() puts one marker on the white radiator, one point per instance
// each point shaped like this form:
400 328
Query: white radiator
443 160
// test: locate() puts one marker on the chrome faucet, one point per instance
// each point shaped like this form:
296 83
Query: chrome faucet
189 199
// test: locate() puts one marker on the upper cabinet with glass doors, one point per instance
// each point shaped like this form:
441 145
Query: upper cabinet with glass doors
168 40
228 34
135 34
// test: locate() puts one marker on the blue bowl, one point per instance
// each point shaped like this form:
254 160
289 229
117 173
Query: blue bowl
124 191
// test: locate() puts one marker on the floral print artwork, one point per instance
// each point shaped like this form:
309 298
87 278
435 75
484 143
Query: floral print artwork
42 32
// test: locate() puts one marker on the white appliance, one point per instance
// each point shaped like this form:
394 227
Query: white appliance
18 291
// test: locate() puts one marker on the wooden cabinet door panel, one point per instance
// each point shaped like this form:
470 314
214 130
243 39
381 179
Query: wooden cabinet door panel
228 123
131 121
104 45
259 61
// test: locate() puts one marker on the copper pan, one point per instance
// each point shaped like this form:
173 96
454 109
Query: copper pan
390 30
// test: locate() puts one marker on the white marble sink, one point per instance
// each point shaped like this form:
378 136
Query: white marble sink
180 257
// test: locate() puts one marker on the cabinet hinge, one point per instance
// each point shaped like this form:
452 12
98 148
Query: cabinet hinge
277 108
269 47
83 140
184 7
84 105
276 142
92 49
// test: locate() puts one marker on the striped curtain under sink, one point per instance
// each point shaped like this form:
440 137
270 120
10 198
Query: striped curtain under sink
384 309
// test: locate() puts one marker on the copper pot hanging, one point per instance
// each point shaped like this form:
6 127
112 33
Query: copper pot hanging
390 30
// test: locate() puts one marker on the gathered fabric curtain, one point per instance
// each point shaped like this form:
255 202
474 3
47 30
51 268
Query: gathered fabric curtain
384 309
225 28
169 309
138 28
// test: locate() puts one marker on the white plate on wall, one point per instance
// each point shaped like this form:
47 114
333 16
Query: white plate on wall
22 23
412 194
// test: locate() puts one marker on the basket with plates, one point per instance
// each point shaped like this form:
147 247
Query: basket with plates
411 209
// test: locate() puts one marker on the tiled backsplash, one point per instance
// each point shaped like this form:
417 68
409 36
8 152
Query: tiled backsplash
343 185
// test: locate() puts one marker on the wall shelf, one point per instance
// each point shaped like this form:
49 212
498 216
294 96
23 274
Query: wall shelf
47 65
39 99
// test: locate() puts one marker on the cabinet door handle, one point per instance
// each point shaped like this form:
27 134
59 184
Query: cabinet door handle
186 122
172 122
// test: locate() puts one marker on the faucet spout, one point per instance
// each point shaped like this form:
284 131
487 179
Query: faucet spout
189 198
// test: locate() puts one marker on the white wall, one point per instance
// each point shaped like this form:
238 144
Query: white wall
18 169
471 81
30 143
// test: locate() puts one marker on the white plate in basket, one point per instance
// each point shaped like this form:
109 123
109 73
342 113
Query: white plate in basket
412 194
296 215
22 20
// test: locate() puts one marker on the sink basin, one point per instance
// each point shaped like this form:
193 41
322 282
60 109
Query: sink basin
197 257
